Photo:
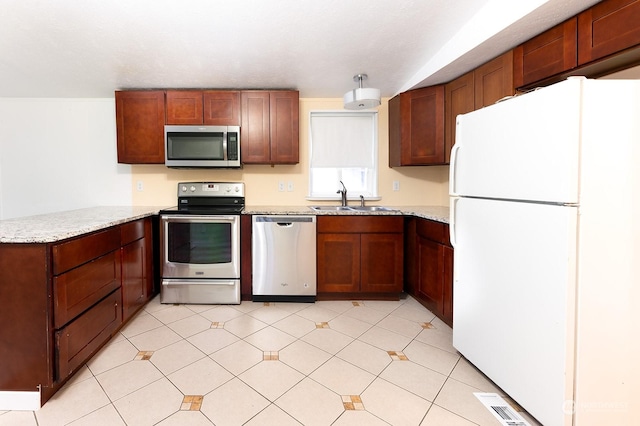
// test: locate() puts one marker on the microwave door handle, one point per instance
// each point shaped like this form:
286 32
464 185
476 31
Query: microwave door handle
225 157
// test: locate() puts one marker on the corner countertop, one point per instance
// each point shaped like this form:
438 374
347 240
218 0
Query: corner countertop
51 227
437 213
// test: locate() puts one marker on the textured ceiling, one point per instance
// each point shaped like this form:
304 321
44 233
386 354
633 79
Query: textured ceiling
89 48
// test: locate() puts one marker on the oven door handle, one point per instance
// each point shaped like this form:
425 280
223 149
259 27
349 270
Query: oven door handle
204 218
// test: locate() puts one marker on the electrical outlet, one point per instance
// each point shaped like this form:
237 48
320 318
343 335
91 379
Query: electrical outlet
281 186
290 186
396 185
140 185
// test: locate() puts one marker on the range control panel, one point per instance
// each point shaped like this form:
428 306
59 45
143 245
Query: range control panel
211 189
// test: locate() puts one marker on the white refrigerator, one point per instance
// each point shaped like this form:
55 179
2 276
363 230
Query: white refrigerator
545 225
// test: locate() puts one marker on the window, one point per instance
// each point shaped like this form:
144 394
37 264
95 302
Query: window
343 147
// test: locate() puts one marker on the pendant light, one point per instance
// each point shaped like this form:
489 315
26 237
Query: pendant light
361 98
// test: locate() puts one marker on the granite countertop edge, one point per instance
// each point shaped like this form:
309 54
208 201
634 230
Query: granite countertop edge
436 213
58 226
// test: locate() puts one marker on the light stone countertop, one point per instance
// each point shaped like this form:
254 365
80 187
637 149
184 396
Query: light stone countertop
437 213
51 227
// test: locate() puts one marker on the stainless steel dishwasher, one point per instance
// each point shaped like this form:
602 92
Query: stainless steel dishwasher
284 258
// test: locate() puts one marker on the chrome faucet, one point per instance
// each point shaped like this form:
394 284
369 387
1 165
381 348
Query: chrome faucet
343 194
361 200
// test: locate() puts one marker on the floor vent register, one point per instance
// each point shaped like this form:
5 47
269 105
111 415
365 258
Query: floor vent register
501 410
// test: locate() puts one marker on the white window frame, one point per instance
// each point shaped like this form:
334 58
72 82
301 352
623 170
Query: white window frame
359 179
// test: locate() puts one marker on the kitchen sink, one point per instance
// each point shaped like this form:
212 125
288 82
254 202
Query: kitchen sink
352 208
330 208
372 209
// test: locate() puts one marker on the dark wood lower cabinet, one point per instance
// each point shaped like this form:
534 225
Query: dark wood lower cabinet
359 256
338 263
246 262
429 266
64 300
137 265
78 340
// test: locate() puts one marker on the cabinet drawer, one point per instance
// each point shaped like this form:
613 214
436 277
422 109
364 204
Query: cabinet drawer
131 231
72 253
78 289
360 224
82 337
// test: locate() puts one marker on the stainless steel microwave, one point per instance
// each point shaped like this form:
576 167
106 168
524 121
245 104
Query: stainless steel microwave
202 146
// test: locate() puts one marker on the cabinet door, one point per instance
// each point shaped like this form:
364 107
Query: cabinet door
547 54
430 267
381 263
140 127
447 286
221 107
410 256
246 262
493 80
134 277
76 342
254 132
338 263
458 99
184 107
285 135
421 128
607 28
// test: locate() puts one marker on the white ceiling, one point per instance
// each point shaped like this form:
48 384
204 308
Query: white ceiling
89 48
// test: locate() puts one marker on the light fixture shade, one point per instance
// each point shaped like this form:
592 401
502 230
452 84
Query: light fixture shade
362 98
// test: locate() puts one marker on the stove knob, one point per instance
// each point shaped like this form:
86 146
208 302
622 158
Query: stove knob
228 189
184 189
193 188
237 189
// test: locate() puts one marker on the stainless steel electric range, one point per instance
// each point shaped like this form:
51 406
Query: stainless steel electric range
200 244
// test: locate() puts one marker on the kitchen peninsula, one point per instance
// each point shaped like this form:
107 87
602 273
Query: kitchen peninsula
69 281
72 279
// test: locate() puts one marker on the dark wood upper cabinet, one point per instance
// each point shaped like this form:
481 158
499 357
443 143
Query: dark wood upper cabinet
553 52
458 99
416 127
608 27
140 126
221 107
208 107
184 107
284 122
493 80
269 133
254 131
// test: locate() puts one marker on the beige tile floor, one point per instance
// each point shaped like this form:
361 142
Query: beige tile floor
328 363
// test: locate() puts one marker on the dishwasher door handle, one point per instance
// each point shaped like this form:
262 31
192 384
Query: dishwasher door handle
285 224
283 219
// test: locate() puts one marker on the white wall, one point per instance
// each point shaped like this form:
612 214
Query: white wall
59 154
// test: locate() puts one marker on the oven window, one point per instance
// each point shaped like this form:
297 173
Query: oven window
199 243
